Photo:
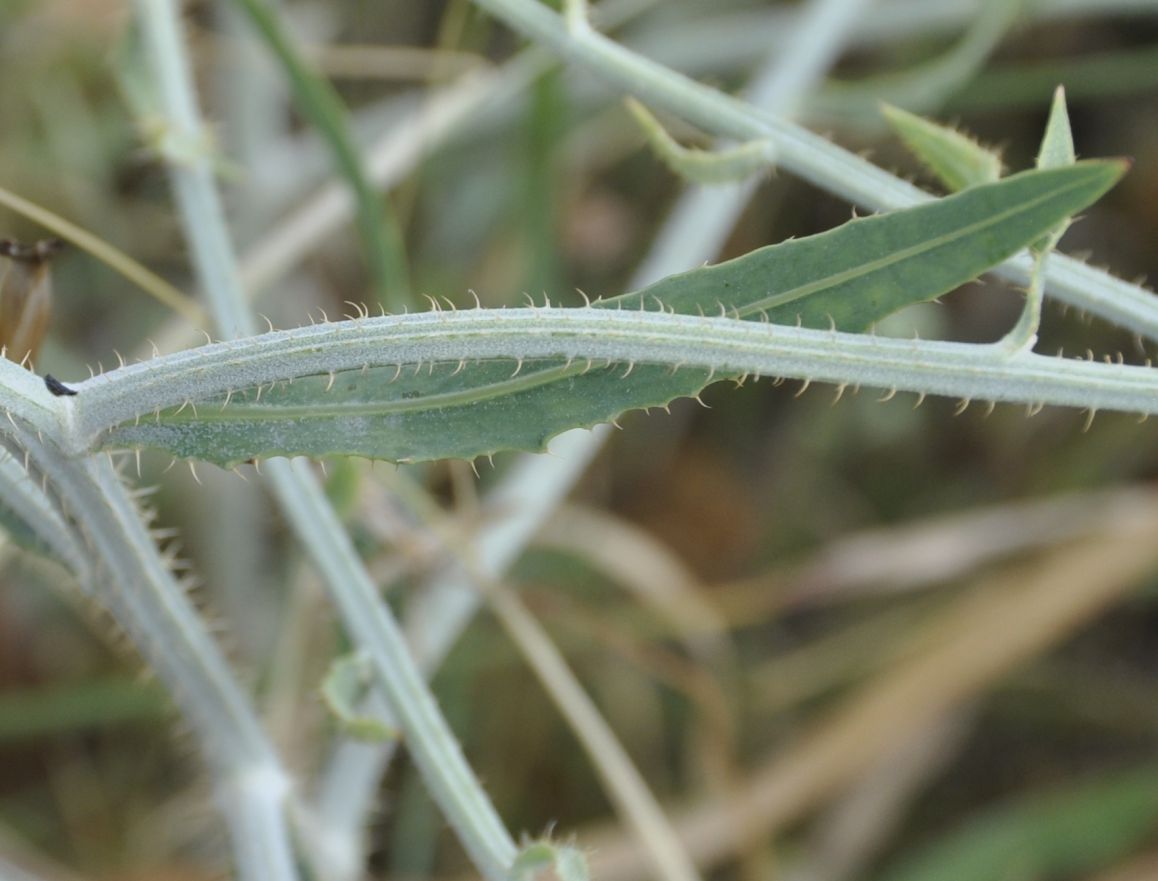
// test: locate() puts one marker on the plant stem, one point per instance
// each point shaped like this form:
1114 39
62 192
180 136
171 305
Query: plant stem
374 630
586 337
133 583
365 616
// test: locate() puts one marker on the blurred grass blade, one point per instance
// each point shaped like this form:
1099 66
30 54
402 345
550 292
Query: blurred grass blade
1060 833
926 86
56 709
847 278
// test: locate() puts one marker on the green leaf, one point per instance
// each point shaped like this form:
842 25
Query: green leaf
849 278
1057 145
858 273
954 157
1057 151
1068 833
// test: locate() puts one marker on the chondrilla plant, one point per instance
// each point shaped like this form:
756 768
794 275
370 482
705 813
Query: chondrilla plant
460 381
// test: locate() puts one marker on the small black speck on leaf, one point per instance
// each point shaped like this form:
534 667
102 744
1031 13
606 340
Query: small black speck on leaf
57 387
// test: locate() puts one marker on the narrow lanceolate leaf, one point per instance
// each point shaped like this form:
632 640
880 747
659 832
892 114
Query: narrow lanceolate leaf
847 278
858 273
1057 151
954 157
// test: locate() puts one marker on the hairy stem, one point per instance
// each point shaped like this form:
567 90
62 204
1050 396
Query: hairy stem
586 337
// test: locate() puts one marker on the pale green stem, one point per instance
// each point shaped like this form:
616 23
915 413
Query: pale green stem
1023 335
133 583
514 510
365 616
374 630
591 337
30 503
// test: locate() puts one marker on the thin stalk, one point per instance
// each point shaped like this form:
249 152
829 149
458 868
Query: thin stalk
622 781
114 258
29 502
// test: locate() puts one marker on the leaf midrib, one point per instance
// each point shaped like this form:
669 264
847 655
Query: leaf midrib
869 267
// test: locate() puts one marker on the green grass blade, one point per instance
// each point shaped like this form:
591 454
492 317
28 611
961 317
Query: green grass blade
1067 833
849 278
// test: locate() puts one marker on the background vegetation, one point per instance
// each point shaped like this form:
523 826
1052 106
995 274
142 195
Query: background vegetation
854 641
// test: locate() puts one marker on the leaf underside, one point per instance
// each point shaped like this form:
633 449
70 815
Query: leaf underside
849 277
